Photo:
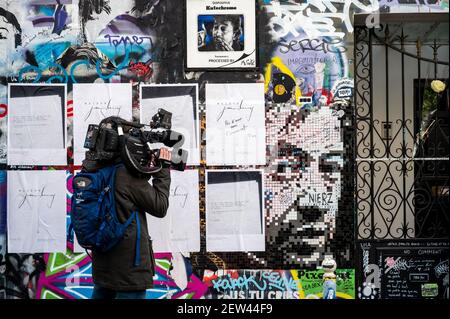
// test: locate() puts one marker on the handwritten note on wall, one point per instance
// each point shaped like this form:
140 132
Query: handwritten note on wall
36 131
179 230
235 124
94 102
36 211
234 217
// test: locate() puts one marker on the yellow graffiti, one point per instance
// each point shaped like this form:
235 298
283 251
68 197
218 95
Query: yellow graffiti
276 62
301 293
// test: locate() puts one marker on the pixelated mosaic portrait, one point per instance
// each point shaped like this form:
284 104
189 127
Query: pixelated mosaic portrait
220 32
307 191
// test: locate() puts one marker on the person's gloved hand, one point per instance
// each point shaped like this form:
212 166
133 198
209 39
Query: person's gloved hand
165 156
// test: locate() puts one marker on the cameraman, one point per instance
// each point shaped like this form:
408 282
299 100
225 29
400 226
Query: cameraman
113 272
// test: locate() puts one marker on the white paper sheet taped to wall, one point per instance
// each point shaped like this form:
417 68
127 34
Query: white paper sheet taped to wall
179 230
235 124
234 214
94 102
36 131
36 211
184 111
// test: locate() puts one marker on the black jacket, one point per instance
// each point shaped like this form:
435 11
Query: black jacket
115 269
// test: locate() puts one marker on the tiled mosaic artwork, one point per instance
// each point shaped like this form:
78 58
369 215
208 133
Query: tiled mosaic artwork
308 204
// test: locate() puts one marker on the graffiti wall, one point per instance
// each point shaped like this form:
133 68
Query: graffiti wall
305 66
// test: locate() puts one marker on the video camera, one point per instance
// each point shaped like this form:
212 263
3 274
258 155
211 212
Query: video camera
116 139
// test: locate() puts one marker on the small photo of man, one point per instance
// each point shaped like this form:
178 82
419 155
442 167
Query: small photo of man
221 32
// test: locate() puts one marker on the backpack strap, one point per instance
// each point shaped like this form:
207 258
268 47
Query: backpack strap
137 258
134 215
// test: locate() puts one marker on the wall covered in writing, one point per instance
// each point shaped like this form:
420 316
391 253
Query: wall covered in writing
296 108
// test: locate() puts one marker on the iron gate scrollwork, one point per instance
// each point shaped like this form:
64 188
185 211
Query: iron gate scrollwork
402 135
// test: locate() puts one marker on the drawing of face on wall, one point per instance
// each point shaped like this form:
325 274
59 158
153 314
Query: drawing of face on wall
313 64
303 184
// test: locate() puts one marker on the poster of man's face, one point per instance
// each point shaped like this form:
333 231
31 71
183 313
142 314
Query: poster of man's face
303 184
221 32
220 35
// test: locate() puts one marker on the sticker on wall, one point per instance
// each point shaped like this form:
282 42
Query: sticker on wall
342 89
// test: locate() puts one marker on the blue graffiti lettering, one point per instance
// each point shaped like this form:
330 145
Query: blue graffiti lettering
126 39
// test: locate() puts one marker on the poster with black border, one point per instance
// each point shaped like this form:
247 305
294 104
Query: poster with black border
220 35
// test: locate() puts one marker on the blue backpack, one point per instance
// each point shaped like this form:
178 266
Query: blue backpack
93 214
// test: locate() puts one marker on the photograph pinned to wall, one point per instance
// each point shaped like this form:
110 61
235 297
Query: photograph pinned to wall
182 101
235 124
37 130
234 211
36 217
179 230
221 36
93 102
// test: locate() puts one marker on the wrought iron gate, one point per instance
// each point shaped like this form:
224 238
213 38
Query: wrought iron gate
402 141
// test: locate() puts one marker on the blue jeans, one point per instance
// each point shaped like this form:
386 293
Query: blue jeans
105 293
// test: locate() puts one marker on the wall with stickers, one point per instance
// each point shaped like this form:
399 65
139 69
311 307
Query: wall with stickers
268 124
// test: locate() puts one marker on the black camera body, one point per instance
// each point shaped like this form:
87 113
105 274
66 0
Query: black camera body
116 139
